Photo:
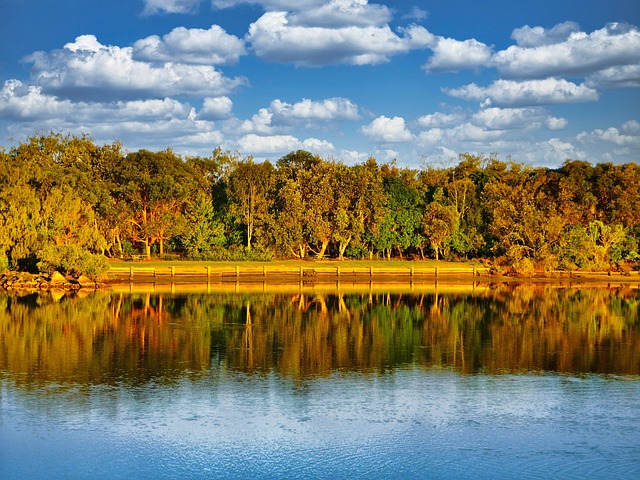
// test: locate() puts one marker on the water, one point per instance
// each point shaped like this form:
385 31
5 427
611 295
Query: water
526 382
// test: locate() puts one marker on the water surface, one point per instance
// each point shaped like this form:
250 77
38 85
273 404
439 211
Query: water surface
499 382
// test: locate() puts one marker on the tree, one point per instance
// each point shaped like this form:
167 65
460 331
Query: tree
305 186
400 228
155 187
439 222
248 191
204 231
524 224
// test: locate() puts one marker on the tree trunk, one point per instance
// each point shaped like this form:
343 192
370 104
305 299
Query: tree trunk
343 246
323 249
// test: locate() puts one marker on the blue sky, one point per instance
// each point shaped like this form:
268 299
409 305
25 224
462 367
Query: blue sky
415 81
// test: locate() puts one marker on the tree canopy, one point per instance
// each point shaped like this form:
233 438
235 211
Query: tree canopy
65 197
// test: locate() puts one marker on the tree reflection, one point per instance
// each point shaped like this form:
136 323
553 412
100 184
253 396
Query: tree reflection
105 338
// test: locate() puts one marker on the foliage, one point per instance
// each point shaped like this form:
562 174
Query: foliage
60 195
72 260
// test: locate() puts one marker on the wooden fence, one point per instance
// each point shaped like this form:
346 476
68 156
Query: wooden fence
293 273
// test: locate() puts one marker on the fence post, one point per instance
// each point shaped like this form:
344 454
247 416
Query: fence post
371 271
338 271
412 271
301 272
130 273
237 271
208 271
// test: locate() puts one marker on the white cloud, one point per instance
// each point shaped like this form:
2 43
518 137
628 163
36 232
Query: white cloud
431 136
268 143
315 145
195 45
259 123
27 103
341 13
517 118
537 36
326 110
286 5
526 93
440 119
87 69
216 108
625 140
615 45
169 6
387 130
450 55
281 115
626 76
274 39
416 13
20 102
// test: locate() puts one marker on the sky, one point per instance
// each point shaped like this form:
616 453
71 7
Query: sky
418 82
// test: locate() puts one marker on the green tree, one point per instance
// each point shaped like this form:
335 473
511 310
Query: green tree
401 224
155 187
248 190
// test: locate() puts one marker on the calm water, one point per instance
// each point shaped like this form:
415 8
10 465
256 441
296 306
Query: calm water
454 382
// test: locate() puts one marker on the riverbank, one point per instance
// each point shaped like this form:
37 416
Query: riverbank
307 272
29 281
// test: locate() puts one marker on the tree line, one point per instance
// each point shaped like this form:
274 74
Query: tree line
67 204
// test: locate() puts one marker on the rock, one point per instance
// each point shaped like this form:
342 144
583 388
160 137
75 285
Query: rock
85 281
56 278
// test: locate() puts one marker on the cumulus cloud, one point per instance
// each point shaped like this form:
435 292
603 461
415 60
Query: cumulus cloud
517 118
216 108
526 93
450 55
86 69
274 38
440 119
169 6
387 130
326 110
626 76
23 102
194 45
268 143
20 102
259 123
528 37
281 115
542 55
625 140
341 13
316 145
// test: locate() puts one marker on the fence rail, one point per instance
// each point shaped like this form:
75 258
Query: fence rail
302 273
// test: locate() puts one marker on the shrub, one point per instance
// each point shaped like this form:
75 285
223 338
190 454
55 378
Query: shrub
72 260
